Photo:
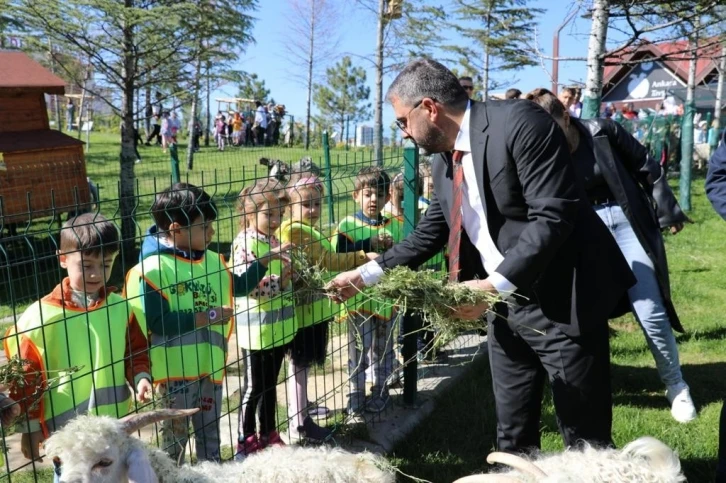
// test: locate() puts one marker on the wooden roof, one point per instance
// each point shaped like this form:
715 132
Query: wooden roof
40 140
20 73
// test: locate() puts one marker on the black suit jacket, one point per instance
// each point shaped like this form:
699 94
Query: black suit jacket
556 250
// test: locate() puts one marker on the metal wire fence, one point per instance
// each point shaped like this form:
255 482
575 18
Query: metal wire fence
281 367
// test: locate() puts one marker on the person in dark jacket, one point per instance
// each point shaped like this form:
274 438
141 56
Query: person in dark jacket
716 192
629 191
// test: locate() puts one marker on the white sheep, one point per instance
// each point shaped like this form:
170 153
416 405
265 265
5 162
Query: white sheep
645 460
102 450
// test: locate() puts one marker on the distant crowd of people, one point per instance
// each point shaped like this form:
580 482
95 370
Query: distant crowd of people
259 128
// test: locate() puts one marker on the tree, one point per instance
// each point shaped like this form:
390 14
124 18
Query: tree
132 44
344 97
498 31
310 41
253 87
595 66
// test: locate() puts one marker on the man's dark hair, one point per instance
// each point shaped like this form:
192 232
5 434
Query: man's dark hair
91 234
258 103
513 93
466 78
372 177
182 203
428 78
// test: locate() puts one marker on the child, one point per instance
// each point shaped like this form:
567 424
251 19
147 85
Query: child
310 342
82 323
182 293
237 129
166 131
370 322
265 318
220 131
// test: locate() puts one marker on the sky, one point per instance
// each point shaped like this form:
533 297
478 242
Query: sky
267 58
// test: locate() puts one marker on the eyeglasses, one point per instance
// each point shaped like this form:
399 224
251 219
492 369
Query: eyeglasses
402 123
467 88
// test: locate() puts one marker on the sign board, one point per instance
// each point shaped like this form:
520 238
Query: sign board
87 126
646 81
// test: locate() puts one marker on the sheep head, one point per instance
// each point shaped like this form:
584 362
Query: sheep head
99 449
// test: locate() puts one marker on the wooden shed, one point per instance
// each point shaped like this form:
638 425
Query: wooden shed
42 171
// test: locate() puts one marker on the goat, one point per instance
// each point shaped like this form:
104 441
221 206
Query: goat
95 449
645 460
281 171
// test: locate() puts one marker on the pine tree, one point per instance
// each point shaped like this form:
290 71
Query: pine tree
343 98
252 87
498 31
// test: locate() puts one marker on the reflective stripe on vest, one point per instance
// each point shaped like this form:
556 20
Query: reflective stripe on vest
189 287
95 341
265 322
322 309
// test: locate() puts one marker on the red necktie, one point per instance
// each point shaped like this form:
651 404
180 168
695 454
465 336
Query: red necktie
455 226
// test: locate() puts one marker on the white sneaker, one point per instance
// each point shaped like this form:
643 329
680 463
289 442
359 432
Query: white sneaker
682 408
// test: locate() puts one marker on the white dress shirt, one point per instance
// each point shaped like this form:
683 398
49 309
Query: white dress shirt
474 220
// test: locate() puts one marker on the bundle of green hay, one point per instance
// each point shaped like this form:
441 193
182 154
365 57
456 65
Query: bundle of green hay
430 295
309 279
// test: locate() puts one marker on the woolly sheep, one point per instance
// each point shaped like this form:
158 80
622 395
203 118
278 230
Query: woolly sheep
102 450
645 460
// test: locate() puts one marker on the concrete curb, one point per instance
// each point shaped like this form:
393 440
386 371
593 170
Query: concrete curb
387 430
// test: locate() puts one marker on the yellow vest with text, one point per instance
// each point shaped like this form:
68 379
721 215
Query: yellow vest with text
189 286
94 341
356 230
265 322
323 309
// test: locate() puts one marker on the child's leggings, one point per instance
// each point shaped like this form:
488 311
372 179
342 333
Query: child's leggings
259 389
203 394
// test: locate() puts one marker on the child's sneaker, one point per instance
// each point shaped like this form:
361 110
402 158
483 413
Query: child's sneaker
245 448
310 432
272 439
378 402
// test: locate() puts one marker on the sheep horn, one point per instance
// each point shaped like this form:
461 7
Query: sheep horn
516 462
490 478
134 422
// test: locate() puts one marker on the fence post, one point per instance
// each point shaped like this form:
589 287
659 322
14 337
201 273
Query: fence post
174 155
411 324
686 155
328 179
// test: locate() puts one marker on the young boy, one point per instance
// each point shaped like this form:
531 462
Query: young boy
183 294
82 324
370 326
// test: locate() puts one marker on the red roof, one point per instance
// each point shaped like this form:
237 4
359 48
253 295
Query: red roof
39 140
18 72
670 53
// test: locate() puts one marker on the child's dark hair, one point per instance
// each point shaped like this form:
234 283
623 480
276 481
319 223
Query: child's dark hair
182 203
91 234
372 177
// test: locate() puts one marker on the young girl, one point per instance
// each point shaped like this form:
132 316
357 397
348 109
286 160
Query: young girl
221 127
309 345
237 129
265 318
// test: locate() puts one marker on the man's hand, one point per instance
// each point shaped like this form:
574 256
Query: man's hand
473 312
675 229
144 390
30 445
371 256
9 410
345 285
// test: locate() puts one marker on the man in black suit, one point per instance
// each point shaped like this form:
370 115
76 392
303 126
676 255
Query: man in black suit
506 195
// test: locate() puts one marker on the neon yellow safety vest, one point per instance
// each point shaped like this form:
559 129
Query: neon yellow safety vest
323 309
356 229
95 341
189 286
265 322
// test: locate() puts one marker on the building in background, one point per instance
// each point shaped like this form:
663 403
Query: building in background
364 136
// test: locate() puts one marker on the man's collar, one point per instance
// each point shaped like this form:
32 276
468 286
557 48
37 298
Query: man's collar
463 142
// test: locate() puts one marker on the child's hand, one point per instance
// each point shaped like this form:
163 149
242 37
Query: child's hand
30 445
144 390
278 253
215 315
381 242
9 410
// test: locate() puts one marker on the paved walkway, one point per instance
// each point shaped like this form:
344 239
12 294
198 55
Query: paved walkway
329 388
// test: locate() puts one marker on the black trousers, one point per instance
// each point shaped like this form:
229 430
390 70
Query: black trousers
155 134
524 348
260 395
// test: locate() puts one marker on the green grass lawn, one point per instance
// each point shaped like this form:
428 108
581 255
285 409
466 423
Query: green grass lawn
32 269
455 439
